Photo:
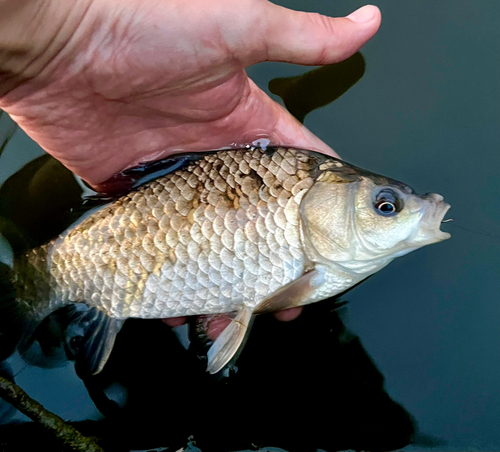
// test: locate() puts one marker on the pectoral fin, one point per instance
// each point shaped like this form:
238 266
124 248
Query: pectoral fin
229 341
293 294
289 296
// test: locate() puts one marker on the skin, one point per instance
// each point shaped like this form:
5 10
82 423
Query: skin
103 85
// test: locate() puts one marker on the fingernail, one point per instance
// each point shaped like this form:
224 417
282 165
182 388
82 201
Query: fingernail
363 14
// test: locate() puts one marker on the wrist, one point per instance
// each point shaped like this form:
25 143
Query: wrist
32 34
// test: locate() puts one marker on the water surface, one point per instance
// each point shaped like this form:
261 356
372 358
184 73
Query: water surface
425 112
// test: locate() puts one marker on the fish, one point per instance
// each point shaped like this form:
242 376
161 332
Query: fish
238 232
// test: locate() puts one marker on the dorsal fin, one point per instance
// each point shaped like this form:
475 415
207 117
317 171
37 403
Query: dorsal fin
132 178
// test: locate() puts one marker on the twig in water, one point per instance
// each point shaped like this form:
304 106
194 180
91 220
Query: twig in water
70 437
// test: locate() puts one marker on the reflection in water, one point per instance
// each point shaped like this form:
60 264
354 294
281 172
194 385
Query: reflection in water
35 203
302 385
319 87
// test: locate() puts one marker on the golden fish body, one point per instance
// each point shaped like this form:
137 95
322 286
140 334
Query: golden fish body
242 231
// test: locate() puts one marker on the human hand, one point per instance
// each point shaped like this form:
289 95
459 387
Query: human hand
133 81
116 83
214 330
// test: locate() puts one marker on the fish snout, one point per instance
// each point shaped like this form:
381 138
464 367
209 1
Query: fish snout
433 197
433 217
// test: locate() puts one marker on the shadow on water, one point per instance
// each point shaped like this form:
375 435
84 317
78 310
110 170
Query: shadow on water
35 202
7 130
300 386
319 87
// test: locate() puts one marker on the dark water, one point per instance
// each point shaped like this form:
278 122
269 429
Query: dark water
415 354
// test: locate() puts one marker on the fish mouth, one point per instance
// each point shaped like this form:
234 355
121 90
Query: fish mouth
430 231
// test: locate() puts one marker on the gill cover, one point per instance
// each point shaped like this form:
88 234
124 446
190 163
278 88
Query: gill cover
326 212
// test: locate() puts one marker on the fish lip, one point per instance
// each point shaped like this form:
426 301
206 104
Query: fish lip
433 219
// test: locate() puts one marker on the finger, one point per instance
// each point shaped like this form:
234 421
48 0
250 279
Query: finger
314 39
288 314
292 132
264 118
217 325
174 321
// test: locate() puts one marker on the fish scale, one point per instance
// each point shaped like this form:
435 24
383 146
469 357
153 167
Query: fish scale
218 233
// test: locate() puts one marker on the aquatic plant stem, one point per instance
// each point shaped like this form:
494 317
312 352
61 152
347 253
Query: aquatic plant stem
69 436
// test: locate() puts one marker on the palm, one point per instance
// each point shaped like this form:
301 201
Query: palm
152 79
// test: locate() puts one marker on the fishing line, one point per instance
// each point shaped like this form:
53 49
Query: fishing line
486 234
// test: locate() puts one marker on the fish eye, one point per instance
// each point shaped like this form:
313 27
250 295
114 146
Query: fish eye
388 202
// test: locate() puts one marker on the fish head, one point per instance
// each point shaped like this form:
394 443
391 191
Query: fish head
391 220
362 221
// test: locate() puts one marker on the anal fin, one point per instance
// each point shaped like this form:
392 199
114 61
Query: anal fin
94 345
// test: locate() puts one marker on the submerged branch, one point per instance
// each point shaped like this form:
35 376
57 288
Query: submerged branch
71 437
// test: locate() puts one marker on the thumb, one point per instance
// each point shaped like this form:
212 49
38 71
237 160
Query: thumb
312 39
